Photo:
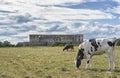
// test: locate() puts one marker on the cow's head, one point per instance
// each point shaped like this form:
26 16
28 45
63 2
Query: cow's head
66 47
79 57
63 49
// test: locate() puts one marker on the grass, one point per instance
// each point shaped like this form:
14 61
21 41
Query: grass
51 62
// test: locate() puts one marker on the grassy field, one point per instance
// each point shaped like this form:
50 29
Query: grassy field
51 62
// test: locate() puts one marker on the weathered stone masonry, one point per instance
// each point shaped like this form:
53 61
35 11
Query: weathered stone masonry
48 40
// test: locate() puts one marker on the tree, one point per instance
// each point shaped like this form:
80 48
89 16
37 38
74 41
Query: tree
19 45
118 42
6 44
1 44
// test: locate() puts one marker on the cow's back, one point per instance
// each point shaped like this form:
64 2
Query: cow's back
97 45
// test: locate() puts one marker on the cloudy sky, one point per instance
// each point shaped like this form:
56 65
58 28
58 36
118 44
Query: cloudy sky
93 18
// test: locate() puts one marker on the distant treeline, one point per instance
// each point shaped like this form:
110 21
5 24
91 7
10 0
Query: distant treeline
8 44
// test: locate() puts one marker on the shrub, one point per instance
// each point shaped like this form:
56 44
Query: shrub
118 42
59 43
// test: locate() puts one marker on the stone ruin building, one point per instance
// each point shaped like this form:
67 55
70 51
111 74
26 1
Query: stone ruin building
49 40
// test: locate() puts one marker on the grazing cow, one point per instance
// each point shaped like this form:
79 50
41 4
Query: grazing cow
68 46
96 46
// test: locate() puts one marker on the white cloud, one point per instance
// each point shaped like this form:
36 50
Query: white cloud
115 10
64 14
54 2
24 17
117 1
53 13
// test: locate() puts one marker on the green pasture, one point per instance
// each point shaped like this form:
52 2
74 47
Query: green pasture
51 62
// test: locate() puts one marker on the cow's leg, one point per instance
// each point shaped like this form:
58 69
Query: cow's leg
87 61
90 63
114 57
72 49
110 56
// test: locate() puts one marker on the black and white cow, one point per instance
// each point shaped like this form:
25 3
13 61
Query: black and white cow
68 46
96 47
